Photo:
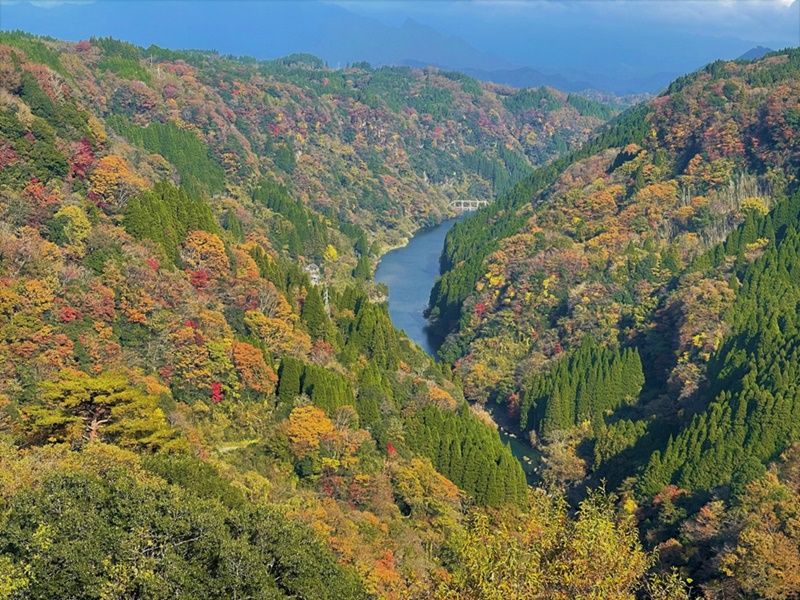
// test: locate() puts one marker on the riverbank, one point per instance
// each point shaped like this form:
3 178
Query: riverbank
409 273
387 246
526 454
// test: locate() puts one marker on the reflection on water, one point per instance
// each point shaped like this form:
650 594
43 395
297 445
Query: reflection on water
409 273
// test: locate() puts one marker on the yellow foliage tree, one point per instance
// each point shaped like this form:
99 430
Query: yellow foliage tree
544 555
275 333
76 406
205 251
112 181
305 429
330 254
77 225
754 204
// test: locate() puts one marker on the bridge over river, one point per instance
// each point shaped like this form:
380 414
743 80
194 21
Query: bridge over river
467 205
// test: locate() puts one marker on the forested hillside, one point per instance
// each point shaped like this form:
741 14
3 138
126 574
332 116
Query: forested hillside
383 148
633 307
201 393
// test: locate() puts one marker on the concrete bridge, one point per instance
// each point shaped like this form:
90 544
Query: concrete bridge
465 205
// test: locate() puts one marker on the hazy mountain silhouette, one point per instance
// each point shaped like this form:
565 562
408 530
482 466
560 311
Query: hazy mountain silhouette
755 53
340 36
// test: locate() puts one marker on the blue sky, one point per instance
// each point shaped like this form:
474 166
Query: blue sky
756 20
583 39
507 27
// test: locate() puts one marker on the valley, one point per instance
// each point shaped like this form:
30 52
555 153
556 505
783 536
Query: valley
205 393
409 273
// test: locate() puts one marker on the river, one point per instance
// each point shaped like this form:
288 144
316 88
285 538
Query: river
409 273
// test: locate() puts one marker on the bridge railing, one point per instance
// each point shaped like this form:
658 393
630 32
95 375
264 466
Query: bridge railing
468 204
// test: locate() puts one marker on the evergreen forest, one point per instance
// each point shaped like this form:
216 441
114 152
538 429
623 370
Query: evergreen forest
203 395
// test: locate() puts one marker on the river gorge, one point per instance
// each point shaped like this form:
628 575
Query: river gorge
410 272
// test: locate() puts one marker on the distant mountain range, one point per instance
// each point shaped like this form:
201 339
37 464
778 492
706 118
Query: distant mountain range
527 77
755 53
572 81
341 36
414 44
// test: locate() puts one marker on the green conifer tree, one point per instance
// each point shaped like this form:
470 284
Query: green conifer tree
289 377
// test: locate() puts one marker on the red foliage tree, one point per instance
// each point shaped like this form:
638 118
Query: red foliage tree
83 158
199 279
216 392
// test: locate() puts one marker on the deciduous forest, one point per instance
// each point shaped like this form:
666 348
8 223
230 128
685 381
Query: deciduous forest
202 394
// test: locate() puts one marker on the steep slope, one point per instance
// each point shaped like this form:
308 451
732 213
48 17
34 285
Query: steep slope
640 296
588 244
189 407
385 148
614 227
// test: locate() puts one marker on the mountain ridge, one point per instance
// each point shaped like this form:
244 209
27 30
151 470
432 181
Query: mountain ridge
202 393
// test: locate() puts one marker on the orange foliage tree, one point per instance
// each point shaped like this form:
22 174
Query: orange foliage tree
254 372
112 182
203 251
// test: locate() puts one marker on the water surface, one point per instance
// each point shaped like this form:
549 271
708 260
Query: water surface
409 273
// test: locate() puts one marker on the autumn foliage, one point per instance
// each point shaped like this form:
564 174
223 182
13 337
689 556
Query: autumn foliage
192 351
